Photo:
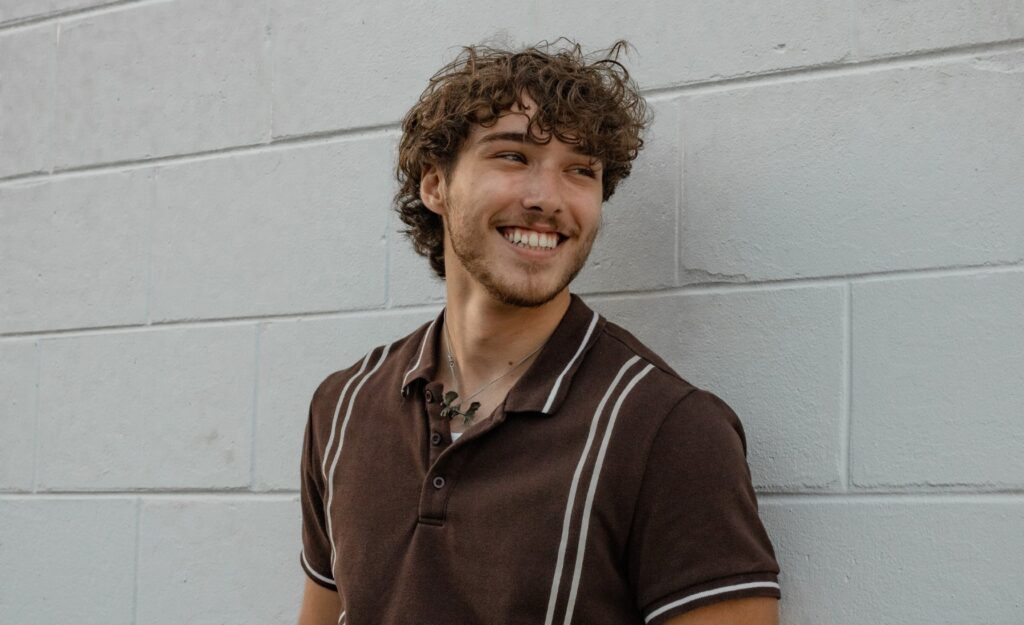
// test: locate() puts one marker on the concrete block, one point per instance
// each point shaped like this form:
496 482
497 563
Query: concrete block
19 10
893 169
73 252
411 281
938 382
322 81
635 250
295 356
167 408
281 231
893 28
325 81
696 41
775 356
67 560
18 369
28 62
916 562
162 78
194 555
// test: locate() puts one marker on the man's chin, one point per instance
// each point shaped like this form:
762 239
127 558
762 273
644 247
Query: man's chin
528 297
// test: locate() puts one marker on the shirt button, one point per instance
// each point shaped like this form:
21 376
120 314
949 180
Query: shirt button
435 438
430 397
438 482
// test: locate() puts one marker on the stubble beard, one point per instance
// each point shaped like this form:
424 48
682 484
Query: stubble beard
505 291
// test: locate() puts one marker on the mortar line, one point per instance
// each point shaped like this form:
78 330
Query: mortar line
894 497
151 212
37 352
57 16
846 393
831 69
430 308
824 281
826 70
255 406
138 559
229 321
249 149
142 494
680 192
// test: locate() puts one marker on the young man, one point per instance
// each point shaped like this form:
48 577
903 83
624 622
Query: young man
519 459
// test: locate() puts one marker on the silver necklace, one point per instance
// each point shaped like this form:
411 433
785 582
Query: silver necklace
448 408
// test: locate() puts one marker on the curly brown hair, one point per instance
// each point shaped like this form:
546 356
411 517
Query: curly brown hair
585 100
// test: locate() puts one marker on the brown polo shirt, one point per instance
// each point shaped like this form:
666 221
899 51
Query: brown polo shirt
604 490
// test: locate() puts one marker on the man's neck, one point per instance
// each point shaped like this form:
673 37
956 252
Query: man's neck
489 337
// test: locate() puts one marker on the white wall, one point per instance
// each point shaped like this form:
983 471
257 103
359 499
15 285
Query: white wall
826 229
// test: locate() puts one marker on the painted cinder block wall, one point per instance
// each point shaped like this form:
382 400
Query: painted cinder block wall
826 229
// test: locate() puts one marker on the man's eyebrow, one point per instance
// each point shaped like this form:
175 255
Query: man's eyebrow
521 137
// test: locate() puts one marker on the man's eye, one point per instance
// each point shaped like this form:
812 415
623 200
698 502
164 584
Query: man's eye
513 156
586 171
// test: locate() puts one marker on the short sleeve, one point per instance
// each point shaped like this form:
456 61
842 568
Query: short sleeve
316 545
696 537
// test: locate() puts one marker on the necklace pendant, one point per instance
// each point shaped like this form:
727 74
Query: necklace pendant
449 409
469 414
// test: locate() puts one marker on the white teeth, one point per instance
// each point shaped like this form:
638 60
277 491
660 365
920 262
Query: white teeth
530 238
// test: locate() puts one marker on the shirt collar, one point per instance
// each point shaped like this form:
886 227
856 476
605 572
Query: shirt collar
543 386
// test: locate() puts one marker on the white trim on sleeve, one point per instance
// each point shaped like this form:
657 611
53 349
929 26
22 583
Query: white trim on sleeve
312 571
707 593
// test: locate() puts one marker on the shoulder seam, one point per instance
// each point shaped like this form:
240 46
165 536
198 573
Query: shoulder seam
323 383
604 330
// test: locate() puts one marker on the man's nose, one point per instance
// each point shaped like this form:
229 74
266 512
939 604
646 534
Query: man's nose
543 191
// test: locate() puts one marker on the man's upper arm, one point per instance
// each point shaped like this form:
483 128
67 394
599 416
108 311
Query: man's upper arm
320 606
317 554
697 540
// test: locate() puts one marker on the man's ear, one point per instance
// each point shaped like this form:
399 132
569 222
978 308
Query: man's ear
432 189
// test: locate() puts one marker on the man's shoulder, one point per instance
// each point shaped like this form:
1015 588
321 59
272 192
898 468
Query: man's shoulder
632 346
675 396
386 363
699 414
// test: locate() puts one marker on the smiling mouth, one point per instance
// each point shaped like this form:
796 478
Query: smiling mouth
531 239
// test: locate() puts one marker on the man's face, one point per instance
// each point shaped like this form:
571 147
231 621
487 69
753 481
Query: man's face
520 217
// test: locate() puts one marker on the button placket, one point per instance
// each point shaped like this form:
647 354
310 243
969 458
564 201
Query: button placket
438 484
436 432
